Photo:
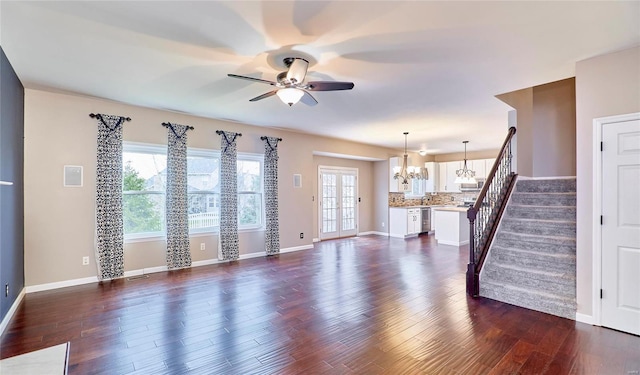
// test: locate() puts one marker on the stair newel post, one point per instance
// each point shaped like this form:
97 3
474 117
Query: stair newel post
473 284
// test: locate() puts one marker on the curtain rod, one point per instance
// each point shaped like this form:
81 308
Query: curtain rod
167 124
222 132
263 138
93 115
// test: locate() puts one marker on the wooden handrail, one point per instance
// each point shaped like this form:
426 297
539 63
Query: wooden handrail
487 228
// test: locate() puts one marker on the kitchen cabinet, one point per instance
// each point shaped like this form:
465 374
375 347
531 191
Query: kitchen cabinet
454 226
404 222
447 176
478 166
482 167
414 221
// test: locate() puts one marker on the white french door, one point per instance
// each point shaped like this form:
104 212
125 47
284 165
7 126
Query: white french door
338 203
620 295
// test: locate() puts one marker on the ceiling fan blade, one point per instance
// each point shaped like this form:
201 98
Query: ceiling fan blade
329 86
253 79
308 99
297 70
270 93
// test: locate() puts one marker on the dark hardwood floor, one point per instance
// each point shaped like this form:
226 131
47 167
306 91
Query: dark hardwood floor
360 305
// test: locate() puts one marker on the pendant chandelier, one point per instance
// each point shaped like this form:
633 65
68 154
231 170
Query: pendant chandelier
465 175
406 172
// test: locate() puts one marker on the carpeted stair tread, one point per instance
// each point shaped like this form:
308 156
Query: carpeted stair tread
539 227
561 286
541 212
534 259
546 186
539 239
531 299
544 199
532 273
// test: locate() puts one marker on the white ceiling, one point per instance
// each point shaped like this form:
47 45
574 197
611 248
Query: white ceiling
429 68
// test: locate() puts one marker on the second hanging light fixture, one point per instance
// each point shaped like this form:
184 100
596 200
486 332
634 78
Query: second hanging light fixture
465 175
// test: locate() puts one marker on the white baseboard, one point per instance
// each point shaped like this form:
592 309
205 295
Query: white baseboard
295 248
143 271
12 310
452 243
254 255
373 233
205 262
61 284
584 318
316 240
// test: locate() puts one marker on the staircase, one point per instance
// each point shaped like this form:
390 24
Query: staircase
532 262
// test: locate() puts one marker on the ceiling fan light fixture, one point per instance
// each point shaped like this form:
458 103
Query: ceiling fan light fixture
290 95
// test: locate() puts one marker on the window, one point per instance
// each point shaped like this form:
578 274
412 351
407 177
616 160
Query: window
203 172
417 187
144 176
143 190
249 191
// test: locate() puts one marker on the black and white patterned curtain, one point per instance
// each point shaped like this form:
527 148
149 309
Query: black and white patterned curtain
228 196
109 223
177 205
272 227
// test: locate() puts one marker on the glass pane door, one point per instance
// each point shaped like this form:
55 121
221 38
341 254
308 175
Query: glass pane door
338 204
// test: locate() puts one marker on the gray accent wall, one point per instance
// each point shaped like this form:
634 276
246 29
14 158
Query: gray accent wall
11 197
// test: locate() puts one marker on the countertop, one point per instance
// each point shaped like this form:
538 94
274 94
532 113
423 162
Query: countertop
452 209
434 206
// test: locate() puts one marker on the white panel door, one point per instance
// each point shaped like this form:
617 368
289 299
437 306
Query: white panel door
621 226
338 203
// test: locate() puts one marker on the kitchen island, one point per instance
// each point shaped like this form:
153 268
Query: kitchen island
452 226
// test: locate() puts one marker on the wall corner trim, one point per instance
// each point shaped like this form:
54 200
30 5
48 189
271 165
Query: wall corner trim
584 318
7 318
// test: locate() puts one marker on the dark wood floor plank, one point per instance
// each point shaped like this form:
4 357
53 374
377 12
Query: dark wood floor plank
364 305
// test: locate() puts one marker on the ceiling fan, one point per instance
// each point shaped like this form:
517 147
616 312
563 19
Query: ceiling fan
290 86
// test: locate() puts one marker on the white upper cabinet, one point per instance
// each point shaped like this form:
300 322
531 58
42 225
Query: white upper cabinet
452 167
478 166
447 176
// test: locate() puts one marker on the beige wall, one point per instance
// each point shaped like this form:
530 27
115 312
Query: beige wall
546 125
554 124
381 196
522 101
606 85
59 222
